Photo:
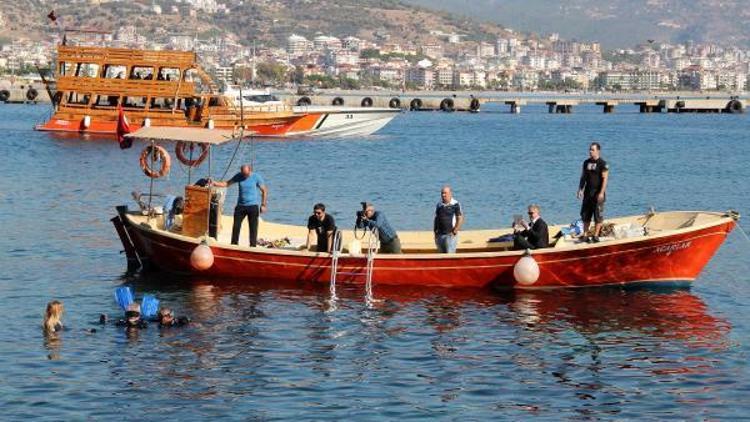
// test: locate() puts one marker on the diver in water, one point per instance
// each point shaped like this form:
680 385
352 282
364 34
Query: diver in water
167 319
132 317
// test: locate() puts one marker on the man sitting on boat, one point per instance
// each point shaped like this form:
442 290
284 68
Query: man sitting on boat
251 201
371 219
324 226
531 235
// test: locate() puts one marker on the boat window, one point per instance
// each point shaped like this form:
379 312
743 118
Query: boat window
260 98
191 75
114 72
215 102
87 70
106 101
168 74
78 98
134 102
162 103
142 72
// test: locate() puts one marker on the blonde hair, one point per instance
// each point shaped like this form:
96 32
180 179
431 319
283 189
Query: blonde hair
53 315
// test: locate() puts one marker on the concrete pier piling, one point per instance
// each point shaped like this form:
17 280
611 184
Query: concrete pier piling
515 105
562 106
608 105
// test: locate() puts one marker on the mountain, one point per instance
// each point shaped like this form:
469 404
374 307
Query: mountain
264 21
614 23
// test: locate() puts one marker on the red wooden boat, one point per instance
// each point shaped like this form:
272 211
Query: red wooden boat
655 248
675 248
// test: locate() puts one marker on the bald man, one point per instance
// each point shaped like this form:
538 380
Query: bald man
448 220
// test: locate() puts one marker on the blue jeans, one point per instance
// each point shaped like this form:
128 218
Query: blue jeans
446 243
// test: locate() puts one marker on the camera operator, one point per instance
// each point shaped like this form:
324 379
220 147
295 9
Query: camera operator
369 218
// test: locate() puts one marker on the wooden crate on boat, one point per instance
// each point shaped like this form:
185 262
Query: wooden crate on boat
195 215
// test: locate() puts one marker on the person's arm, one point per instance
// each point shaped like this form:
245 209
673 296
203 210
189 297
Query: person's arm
582 182
263 198
309 238
330 240
459 220
224 183
605 178
435 224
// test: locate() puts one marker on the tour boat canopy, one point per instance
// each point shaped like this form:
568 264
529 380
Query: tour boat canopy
195 135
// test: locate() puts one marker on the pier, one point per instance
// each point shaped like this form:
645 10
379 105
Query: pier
556 103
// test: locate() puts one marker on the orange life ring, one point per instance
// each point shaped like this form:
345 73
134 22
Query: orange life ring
185 147
159 154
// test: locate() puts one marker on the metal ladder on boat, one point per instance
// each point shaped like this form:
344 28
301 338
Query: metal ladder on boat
372 248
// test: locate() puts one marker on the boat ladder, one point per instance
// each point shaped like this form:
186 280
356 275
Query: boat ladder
372 248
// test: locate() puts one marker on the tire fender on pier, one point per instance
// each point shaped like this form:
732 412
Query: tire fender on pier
447 104
394 103
734 106
304 101
31 94
338 101
366 102
415 104
4 95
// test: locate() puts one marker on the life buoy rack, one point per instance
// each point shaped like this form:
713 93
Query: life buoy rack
31 94
366 102
184 149
394 103
155 153
304 101
338 101
4 95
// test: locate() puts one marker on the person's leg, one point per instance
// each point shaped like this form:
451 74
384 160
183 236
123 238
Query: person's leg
598 218
239 215
252 214
452 243
440 243
586 214
520 243
392 247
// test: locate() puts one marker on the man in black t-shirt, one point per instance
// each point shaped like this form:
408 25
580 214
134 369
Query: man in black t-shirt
592 190
324 226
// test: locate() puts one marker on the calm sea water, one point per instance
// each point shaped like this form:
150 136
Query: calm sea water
260 351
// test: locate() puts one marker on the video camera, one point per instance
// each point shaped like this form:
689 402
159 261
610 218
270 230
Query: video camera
361 213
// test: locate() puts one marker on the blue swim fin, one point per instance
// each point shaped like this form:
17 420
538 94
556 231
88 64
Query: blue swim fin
124 297
149 306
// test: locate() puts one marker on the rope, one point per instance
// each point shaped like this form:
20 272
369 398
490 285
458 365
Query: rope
242 135
743 232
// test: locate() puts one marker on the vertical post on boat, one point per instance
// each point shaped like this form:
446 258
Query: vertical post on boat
372 246
151 184
208 214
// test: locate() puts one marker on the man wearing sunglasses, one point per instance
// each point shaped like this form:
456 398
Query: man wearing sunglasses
324 226
531 235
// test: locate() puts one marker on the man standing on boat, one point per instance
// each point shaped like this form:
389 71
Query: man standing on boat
252 201
592 190
448 220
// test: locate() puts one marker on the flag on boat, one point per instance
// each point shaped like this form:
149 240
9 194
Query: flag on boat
123 128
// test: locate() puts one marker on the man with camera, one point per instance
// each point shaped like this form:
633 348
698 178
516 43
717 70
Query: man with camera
368 218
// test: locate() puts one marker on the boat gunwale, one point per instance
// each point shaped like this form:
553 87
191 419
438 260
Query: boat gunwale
724 218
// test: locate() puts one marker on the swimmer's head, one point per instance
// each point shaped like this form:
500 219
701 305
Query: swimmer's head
133 314
166 316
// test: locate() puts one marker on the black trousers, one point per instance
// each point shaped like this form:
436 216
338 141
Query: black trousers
521 243
252 212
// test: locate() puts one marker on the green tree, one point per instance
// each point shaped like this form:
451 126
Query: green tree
270 73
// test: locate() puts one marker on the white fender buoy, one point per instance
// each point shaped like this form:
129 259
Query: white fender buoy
210 123
86 122
147 122
526 270
202 257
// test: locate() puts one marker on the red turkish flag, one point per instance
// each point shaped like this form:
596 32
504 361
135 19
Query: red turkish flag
123 127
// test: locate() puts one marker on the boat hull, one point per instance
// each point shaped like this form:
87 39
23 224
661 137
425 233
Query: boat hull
313 123
673 259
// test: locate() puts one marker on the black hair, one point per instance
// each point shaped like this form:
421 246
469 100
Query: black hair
596 144
319 206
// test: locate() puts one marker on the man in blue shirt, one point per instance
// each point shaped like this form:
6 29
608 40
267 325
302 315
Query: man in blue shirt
371 219
251 201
